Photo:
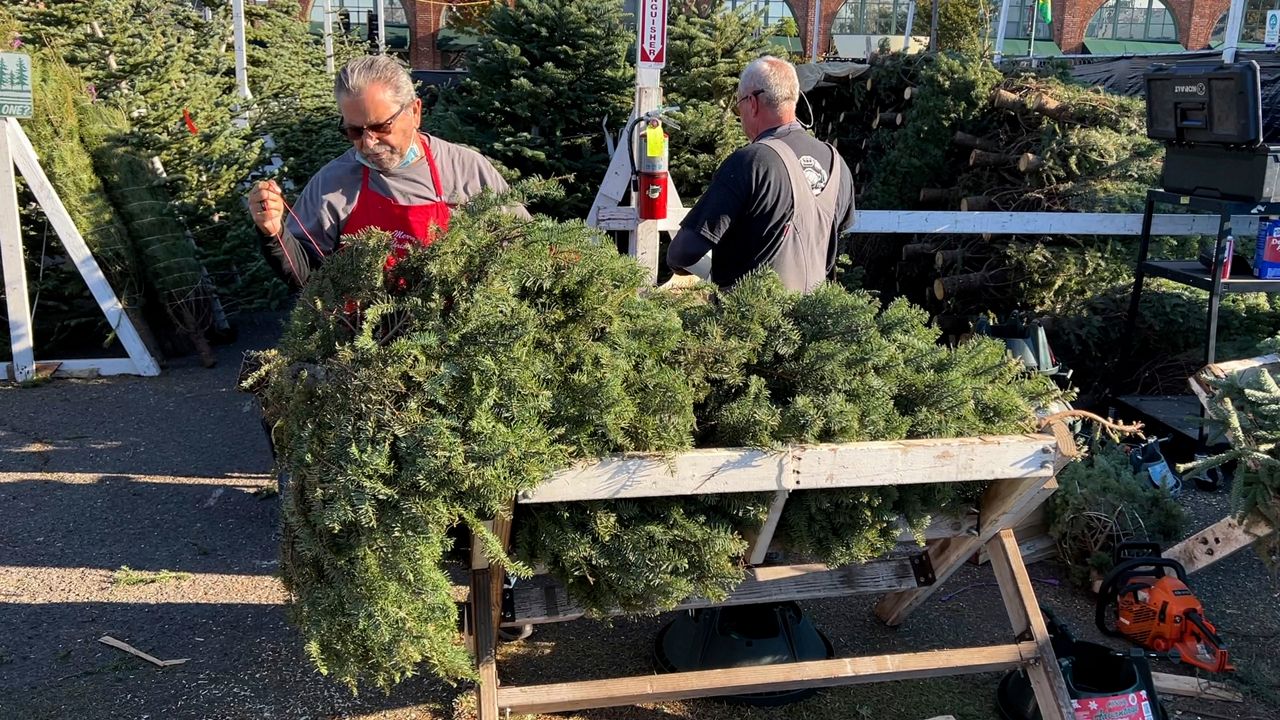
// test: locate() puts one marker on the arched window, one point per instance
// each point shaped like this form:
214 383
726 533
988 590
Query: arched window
1132 20
1254 26
1017 24
771 12
354 16
872 17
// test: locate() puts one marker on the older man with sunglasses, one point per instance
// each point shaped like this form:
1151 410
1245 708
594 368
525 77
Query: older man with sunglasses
781 201
393 178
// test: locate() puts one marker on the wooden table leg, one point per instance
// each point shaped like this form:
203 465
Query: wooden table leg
486 613
1024 615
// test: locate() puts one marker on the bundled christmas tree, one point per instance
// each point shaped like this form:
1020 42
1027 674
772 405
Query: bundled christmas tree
424 389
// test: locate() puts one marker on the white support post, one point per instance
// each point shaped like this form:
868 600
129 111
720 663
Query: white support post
816 9
237 34
1004 17
24 156
15 269
643 241
328 37
906 33
382 28
1234 21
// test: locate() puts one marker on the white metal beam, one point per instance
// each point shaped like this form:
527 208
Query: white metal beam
1036 223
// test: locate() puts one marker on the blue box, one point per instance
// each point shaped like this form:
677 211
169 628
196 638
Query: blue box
1266 263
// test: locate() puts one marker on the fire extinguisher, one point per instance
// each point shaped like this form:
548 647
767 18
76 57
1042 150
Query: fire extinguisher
651 172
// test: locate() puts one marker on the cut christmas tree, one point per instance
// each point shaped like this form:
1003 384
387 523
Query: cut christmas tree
424 390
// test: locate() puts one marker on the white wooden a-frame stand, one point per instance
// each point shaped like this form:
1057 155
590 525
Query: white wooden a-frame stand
16 149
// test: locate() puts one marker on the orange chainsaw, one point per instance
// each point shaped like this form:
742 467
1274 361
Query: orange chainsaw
1140 601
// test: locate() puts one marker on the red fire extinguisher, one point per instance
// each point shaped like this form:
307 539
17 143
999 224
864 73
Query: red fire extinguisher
652 172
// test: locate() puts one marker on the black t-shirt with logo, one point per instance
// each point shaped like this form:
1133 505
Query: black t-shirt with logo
746 209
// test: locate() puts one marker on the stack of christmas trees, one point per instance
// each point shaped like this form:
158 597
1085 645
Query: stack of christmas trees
411 396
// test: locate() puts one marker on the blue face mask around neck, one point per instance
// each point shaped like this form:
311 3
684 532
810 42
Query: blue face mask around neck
414 152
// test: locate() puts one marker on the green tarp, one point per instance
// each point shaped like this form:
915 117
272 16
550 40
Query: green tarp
1098 46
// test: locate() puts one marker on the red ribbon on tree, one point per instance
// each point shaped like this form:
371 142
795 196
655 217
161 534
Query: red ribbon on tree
191 124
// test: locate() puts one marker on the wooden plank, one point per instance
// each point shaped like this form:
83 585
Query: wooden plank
1025 617
548 603
924 222
1221 539
1169 684
13 268
562 697
25 157
1004 503
486 611
802 467
760 543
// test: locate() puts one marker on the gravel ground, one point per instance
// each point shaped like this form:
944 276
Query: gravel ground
166 474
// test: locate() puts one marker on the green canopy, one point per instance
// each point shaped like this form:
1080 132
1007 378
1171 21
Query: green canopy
790 44
455 41
1017 47
1099 46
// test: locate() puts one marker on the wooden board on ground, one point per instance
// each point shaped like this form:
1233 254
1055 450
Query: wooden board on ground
1221 539
1169 684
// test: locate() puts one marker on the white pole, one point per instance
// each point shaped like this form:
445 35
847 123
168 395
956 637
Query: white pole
1031 46
1004 17
14 266
328 37
382 28
242 68
1234 21
906 33
817 23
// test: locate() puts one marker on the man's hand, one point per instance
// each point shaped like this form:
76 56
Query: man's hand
266 205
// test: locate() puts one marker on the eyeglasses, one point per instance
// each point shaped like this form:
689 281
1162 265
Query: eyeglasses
737 107
356 132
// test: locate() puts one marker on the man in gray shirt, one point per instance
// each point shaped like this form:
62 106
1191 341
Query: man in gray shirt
779 202
393 178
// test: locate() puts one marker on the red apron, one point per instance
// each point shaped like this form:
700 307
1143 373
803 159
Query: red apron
408 224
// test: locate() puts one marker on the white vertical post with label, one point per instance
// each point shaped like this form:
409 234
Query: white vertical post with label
608 211
16 150
15 101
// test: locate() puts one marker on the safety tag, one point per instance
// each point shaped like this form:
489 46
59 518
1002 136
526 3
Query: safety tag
655 141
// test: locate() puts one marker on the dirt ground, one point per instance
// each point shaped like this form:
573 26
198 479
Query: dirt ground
164 474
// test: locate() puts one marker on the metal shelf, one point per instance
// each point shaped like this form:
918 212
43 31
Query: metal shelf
1191 272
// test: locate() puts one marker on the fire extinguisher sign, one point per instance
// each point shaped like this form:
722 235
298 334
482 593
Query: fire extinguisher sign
652 40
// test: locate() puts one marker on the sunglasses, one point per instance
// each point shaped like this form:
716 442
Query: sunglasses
737 107
356 132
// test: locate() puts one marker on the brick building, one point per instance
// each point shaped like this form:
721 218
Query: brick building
850 28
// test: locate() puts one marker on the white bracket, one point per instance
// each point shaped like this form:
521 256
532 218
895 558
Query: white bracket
16 149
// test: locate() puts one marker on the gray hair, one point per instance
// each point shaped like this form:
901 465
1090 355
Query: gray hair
359 73
775 78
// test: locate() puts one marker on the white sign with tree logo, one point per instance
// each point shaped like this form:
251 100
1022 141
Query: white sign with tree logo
1272 36
15 85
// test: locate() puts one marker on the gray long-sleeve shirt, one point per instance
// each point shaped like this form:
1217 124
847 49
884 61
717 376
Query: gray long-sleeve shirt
329 197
